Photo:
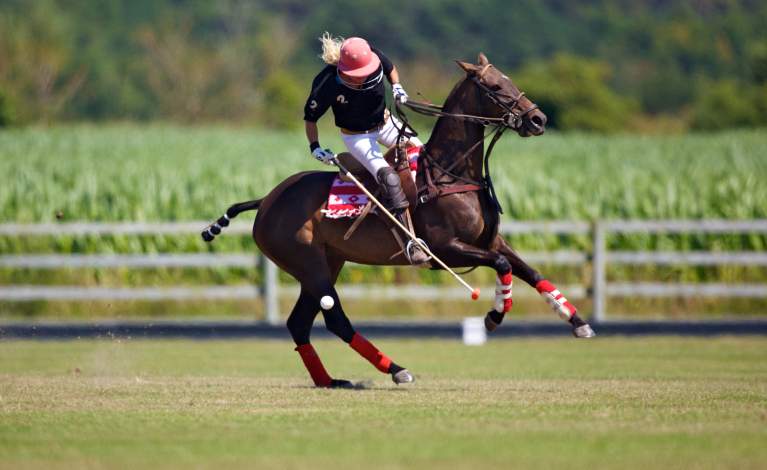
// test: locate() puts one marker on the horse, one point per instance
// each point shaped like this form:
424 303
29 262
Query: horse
457 215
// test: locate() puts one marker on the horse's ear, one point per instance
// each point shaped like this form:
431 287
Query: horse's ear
467 67
482 60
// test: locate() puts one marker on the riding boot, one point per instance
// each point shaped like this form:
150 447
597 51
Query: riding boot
397 204
394 196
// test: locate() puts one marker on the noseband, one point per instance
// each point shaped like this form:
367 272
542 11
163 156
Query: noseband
511 118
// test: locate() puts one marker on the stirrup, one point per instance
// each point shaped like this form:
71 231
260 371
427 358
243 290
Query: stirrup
413 246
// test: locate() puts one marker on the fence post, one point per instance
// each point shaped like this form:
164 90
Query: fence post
598 265
269 288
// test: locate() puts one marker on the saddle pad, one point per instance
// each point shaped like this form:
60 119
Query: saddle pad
345 200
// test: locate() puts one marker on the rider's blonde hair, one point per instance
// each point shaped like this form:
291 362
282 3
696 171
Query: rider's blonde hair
331 48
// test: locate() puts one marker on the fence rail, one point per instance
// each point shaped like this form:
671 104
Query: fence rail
269 290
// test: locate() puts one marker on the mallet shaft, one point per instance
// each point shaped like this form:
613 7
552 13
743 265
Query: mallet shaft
412 236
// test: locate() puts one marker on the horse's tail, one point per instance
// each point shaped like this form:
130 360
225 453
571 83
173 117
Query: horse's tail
209 234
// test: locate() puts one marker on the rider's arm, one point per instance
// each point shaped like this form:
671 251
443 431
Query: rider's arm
312 134
393 76
387 65
316 104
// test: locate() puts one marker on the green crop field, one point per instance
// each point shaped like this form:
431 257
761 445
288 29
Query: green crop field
125 172
532 403
128 172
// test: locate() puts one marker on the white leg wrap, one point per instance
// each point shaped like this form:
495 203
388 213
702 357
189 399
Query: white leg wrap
502 296
557 302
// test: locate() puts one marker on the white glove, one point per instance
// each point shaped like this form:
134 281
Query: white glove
399 93
325 156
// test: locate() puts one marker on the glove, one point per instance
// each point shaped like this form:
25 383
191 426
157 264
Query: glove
325 156
399 93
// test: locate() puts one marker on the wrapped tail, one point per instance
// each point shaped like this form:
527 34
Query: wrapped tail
209 234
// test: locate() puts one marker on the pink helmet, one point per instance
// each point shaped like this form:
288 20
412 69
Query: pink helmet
357 60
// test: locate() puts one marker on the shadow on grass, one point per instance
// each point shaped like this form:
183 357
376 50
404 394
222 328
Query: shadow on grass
362 385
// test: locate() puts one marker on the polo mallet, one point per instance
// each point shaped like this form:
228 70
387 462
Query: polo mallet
348 174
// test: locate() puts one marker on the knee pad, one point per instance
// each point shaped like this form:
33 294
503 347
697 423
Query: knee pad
387 176
392 188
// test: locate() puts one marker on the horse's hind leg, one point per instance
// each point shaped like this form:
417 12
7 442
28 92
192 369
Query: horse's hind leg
300 325
545 288
338 323
314 287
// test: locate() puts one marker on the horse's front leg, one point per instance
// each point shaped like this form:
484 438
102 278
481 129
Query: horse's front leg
457 253
548 291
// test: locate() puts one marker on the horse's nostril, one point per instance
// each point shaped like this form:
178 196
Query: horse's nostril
538 121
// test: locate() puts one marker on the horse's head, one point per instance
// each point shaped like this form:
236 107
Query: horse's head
502 99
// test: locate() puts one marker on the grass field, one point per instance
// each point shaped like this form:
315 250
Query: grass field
533 403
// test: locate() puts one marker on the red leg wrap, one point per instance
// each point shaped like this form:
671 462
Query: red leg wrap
545 287
366 349
314 365
503 290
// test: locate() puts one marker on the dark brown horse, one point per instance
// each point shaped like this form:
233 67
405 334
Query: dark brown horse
458 218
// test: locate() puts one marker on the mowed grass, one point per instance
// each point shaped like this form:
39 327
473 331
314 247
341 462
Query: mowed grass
521 403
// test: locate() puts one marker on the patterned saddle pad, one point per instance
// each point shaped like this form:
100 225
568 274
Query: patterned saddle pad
347 200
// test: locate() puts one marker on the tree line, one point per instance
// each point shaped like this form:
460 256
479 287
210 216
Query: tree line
601 65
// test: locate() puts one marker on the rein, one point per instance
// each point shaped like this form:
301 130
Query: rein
510 120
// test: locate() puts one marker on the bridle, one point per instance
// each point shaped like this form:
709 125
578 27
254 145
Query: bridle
512 118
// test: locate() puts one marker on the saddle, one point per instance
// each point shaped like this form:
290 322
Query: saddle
400 164
399 159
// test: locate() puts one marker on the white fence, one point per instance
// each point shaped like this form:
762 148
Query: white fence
270 289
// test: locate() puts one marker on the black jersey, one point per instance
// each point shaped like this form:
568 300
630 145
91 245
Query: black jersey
356 110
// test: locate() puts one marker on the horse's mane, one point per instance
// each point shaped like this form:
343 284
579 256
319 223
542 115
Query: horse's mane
451 97
450 101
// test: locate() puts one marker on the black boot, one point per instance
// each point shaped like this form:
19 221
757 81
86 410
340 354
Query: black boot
396 201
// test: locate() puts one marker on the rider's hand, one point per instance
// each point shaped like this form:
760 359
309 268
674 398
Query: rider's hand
399 93
325 156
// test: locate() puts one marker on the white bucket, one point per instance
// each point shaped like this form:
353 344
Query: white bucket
474 333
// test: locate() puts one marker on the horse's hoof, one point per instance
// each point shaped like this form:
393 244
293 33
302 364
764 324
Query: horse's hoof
340 383
403 377
584 331
493 320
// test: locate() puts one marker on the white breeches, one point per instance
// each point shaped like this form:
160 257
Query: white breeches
364 147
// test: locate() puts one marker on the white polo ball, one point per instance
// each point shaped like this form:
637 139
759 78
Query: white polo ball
327 302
